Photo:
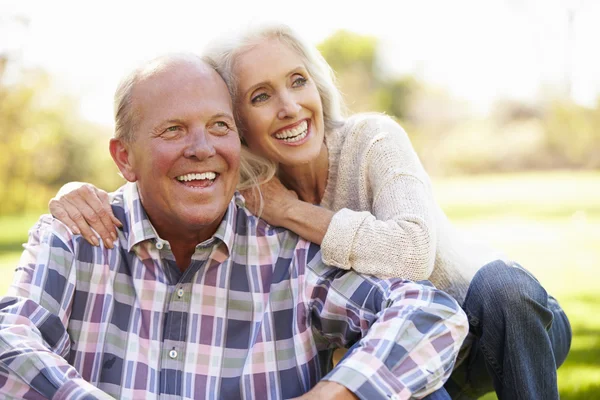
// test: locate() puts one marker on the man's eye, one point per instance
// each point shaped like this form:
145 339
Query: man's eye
220 128
260 98
174 128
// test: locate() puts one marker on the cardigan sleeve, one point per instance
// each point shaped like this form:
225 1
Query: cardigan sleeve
395 235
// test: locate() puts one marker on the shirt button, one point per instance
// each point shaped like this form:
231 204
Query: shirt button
180 292
159 244
173 354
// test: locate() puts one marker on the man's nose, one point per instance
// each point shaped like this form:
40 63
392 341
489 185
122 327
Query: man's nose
289 106
199 144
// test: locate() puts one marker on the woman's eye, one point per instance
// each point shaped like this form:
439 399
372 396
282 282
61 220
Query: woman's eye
222 124
172 129
260 98
299 81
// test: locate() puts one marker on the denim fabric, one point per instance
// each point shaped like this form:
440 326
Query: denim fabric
440 394
521 337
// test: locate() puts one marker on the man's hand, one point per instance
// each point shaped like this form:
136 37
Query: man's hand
326 390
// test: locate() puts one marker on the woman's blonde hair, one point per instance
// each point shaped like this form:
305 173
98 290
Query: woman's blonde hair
222 55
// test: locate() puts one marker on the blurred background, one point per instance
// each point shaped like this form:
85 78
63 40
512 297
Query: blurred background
500 98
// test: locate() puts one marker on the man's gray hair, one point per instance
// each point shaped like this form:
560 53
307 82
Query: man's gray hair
125 117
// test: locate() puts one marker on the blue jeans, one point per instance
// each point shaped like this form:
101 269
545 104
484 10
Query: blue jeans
521 337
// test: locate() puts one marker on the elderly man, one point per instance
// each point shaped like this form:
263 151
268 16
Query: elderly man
198 298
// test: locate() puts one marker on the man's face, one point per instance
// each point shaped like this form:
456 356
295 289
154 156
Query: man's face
185 151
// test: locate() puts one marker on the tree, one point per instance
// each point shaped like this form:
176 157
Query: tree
354 58
44 143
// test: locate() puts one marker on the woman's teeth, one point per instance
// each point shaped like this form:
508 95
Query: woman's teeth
294 134
197 177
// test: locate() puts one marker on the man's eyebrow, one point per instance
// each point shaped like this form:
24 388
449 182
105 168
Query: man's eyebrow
172 121
161 124
222 115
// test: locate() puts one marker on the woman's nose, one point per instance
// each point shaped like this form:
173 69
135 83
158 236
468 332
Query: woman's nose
289 107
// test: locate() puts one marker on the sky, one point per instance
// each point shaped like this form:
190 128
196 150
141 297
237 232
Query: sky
478 50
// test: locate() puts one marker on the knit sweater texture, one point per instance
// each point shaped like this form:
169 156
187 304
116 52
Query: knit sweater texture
386 220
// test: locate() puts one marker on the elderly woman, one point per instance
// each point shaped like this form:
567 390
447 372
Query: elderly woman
355 186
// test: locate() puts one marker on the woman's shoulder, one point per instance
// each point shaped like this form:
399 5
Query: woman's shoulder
371 124
366 128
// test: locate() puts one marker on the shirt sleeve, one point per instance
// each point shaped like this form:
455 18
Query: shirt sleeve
407 334
394 235
34 318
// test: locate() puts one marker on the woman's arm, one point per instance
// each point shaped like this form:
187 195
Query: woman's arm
83 207
391 233
281 207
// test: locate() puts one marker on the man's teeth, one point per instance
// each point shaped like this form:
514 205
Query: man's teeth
294 134
197 177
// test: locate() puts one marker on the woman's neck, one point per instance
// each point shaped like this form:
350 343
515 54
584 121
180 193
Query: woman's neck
307 180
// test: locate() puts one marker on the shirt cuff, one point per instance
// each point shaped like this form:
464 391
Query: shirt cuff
364 387
80 389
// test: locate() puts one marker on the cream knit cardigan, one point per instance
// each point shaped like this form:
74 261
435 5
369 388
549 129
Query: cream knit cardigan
386 221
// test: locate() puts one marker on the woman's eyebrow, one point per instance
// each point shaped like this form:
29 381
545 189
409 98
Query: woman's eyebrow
265 82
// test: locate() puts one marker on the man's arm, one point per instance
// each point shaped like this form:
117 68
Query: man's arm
34 318
408 334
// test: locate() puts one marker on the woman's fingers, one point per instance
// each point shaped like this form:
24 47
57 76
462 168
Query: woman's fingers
92 211
104 200
74 219
58 211
98 201
250 197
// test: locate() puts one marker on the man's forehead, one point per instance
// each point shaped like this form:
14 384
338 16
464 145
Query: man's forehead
166 79
185 65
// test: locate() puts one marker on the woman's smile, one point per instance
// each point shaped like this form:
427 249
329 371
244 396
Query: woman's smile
280 106
295 134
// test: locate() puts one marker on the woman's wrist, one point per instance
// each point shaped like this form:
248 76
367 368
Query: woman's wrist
289 211
307 220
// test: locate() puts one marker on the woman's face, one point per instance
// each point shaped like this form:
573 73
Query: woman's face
279 104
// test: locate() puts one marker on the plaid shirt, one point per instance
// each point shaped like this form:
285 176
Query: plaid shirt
245 320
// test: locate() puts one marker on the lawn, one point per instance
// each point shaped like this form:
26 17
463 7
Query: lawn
549 222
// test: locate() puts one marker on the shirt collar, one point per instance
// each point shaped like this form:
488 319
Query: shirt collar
141 229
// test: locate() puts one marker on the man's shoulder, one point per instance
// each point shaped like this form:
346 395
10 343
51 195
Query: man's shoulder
248 224
52 232
118 203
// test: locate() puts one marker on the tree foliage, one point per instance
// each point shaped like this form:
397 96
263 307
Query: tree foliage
553 133
355 60
44 143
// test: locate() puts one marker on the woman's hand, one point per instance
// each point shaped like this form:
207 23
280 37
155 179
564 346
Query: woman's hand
276 201
281 207
83 207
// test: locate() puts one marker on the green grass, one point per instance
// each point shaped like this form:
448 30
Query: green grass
13 232
549 222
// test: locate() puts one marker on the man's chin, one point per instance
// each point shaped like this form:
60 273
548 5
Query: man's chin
199 218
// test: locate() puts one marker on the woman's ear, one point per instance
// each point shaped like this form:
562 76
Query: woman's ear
120 152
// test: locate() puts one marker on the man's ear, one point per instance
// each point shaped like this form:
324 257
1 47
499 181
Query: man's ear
120 153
